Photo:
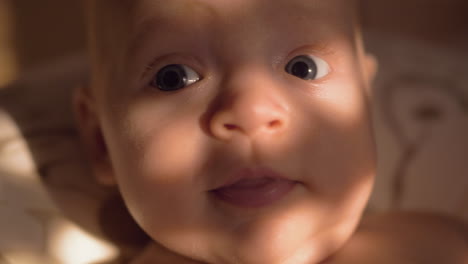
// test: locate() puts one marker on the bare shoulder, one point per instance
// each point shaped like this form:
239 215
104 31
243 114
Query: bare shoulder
406 238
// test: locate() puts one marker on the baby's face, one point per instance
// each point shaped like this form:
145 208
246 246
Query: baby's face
238 131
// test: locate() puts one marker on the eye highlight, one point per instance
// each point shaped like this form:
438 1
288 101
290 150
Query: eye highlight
307 67
174 77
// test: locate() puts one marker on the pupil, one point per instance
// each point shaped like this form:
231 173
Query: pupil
171 79
301 69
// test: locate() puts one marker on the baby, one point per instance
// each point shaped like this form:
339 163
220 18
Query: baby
238 132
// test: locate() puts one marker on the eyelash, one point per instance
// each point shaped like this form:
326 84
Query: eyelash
317 67
191 75
174 77
157 64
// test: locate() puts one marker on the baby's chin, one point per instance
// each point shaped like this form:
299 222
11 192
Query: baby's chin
291 239
280 251
278 243
296 235
277 254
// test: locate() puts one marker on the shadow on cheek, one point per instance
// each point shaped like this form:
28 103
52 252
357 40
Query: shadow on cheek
118 225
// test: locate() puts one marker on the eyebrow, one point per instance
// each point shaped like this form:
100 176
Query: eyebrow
153 17
159 9
147 10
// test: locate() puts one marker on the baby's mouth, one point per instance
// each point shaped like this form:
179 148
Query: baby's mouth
254 188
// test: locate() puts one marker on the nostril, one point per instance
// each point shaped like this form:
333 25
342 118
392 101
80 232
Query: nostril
274 124
230 126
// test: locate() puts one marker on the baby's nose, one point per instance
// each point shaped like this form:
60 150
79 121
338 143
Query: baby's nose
249 111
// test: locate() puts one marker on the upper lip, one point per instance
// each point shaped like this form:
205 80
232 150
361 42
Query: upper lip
250 173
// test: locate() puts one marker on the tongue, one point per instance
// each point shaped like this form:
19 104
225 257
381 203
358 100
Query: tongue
254 192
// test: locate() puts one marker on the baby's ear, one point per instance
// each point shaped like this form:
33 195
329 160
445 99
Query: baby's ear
91 136
371 66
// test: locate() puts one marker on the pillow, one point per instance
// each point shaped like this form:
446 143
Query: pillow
50 204
421 122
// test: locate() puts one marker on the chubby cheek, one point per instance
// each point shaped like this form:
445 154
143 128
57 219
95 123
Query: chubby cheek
338 143
346 161
348 156
156 159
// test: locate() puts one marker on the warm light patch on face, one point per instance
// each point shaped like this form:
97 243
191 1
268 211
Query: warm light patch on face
174 150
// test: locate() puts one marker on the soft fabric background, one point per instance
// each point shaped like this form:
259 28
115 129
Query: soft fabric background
33 33
53 211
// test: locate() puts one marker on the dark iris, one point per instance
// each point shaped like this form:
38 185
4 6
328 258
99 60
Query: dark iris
170 78
302 67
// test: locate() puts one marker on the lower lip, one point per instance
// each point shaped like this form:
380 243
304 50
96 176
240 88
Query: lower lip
255 193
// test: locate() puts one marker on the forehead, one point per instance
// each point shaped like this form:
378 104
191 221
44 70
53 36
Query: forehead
135 26
186 7
135 16
158 17
174 10
163 11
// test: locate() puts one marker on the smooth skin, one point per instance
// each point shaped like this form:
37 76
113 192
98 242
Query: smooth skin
166 151
389 238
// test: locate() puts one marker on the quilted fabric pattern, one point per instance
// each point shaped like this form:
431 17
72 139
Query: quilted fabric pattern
421 120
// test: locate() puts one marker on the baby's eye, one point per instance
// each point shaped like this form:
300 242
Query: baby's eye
307 67
174 77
